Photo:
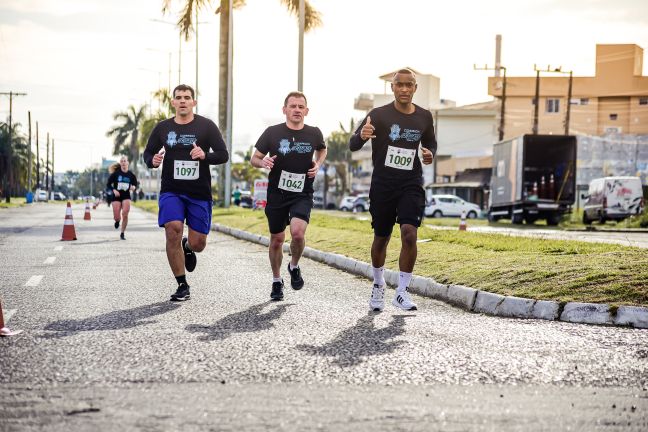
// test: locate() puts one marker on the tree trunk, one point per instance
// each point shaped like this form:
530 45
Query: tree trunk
223 68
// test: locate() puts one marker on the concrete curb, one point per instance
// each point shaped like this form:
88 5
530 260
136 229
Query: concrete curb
471 299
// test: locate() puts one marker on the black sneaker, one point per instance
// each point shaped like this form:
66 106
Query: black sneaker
189 255
277 291
121 236
182 293
296 281
116 224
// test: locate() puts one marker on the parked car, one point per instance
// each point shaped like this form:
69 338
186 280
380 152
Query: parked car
58 196
318 203
246 201
613 198
348 202
361 203
41 195
450 205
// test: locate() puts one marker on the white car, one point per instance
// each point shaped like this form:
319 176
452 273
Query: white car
355 202
450 205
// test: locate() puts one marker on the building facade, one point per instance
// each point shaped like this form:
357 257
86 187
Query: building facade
615 100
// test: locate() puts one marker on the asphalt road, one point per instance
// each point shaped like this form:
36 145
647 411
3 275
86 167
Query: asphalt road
102 347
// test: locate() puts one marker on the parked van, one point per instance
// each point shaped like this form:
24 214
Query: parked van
613 198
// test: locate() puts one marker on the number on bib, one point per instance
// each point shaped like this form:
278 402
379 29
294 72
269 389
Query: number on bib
400 158
292 182
185 170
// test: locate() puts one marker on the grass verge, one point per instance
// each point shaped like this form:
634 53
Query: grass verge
542 269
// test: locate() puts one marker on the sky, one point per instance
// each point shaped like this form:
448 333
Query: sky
80 61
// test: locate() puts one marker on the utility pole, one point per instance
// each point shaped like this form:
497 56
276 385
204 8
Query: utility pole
47 169
9 174
536 101
503 101
52 165
38 178
569 92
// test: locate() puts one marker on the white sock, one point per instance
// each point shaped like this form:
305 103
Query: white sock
274 279
293 267
379 278
403 281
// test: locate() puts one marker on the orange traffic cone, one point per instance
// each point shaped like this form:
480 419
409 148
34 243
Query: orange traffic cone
87 215
68 227
5 331
462 224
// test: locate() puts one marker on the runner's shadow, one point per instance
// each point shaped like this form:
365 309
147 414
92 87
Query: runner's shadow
250 320
351 346
116 320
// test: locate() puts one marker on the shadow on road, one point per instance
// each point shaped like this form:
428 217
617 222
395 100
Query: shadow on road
116 320
362 340
250 320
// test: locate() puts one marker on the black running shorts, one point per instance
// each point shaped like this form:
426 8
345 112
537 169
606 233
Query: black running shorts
388 206
282 207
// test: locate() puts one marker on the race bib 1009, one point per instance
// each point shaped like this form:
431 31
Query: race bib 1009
292 182
185 170
400 158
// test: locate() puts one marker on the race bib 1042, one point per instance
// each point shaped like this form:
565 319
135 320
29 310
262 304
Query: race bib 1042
400 158
292 182
185 170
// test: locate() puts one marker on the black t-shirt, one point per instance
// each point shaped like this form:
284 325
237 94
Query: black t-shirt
294 150
180 173
122 181
395 149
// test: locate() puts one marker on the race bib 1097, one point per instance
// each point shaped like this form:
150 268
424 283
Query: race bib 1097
185 170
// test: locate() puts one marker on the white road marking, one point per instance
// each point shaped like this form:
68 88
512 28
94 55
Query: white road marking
58 248
34 280
49 260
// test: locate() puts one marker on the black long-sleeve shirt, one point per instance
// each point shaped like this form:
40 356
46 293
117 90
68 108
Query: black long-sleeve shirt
180 173
399 164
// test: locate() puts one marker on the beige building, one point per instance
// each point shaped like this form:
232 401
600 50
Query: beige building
615 100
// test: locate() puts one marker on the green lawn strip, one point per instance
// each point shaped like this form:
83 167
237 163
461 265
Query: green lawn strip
15 202
542 269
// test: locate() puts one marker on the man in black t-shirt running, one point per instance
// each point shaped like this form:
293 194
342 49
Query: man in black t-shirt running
287 150
396 193
184 142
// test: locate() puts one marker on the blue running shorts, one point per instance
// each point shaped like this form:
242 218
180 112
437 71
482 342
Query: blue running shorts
177 207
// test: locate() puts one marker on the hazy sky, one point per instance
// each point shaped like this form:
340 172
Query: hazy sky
82 60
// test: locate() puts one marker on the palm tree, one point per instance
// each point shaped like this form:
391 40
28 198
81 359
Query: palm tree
338 153
186 25
126 134
17 156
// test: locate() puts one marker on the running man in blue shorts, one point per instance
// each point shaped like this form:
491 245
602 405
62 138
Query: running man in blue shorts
184 143
396 131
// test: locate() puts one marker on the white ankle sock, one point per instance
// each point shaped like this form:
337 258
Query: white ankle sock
403 281
379 277
292 267
274 279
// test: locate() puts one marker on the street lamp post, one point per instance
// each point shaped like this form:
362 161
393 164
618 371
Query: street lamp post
503 104
569 92
536 101
179 50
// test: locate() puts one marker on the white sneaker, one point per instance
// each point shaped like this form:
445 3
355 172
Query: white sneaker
404 301
377 301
